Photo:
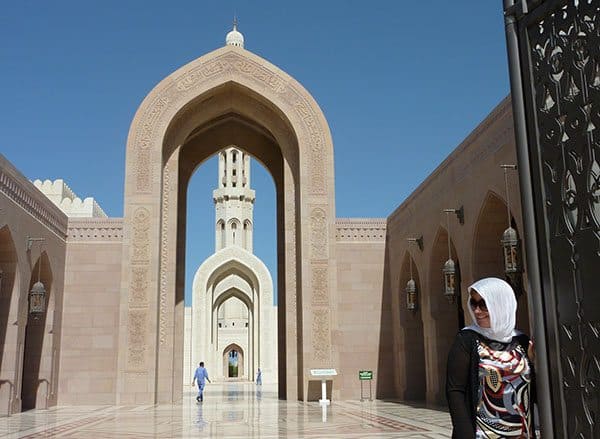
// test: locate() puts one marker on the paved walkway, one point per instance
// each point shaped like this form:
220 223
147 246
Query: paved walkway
235 410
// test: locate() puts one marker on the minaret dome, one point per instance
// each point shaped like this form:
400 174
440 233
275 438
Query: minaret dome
234 38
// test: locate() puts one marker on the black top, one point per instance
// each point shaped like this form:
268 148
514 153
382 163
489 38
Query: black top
462 380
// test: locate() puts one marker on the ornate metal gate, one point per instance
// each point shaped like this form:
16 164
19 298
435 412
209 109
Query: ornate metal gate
554 56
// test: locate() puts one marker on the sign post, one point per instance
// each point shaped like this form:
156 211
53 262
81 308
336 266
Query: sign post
323 374
365 375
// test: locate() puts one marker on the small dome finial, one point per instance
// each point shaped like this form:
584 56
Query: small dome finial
234 38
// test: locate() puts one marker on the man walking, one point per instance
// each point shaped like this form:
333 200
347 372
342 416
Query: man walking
199 376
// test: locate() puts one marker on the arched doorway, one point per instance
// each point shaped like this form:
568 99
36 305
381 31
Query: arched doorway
9 304
448 317
412 369
229 96
488 254
37 353
233 362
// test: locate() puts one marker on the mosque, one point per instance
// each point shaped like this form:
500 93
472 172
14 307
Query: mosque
92 308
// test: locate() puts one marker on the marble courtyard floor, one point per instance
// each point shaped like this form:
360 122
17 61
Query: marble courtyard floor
233 410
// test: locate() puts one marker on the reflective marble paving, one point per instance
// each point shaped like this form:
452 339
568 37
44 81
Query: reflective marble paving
236 410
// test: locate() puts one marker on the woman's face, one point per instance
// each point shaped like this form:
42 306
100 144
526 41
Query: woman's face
480 310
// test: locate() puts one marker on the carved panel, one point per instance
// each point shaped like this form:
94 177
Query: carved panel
190 79
262 74
144 136
320 330
136 335
318 234
320 285
140 242
138 286
164 255
317 162
291 267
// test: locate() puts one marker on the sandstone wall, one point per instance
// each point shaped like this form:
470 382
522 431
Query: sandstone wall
91 311
363 339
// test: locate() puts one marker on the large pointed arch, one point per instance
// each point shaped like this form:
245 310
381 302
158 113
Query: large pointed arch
229 87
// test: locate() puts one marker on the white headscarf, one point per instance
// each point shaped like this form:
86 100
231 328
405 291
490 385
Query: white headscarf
502 307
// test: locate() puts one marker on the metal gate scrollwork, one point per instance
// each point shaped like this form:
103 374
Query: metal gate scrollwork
555 82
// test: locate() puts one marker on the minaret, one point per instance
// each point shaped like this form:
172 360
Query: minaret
234 201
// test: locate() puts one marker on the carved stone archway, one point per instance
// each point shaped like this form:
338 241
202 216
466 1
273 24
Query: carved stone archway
229 96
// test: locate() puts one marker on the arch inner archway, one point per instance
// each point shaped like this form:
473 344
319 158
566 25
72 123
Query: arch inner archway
188 117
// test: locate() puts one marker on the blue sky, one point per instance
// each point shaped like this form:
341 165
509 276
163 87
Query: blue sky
401 84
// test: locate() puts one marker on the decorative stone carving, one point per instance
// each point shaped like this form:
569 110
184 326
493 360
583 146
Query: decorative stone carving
90 229
138 286
144 137
164 255
261 73
317 170
140 243
320 331
291 267
204 71
320 285
137 330
361 230
318 233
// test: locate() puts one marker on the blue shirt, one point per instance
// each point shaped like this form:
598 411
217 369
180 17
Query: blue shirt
200 375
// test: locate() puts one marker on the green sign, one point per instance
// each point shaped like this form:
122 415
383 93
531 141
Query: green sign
365 375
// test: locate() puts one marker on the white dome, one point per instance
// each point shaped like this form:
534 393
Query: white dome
234 38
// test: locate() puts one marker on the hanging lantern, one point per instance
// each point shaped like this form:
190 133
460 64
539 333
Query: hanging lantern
37 299
510 245
411 295
449 280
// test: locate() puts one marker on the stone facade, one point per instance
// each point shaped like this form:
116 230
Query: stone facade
91 315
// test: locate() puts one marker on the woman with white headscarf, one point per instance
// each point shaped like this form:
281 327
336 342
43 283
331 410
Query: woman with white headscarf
489 381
